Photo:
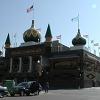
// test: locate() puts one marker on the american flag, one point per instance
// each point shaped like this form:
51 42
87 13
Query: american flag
98 47
92 41
96 44
58 37
30 9
86 36
75 19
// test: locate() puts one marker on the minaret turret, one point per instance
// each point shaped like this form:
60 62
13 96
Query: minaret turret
48 35
7 43
48 40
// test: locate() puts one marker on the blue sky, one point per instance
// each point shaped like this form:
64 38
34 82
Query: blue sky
58 13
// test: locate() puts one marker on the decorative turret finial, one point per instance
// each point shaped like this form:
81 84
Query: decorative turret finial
79 31
32 26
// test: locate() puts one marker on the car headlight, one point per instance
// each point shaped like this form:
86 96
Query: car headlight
24 88
5 88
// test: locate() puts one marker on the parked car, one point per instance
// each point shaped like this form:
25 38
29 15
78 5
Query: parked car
3 91
34 87
25 88
10 86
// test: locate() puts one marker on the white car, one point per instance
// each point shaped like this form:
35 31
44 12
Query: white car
3 91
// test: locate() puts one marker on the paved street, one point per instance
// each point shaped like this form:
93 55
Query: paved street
81 94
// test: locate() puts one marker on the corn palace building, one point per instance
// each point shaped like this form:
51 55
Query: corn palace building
62 66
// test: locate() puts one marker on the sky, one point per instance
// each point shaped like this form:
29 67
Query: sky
15 20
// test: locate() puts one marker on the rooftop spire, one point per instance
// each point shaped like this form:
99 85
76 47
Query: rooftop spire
32 26
78 21
48 34
7 43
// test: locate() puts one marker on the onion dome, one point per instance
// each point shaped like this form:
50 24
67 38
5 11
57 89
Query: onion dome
31 34
78 40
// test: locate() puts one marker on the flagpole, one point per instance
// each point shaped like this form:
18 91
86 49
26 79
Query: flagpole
98 51
33 10
88 43
93 46
78 20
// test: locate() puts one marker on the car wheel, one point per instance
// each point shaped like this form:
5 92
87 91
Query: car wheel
1 96
12 94
28 94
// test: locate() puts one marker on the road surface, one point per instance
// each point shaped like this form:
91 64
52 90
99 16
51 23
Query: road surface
77 94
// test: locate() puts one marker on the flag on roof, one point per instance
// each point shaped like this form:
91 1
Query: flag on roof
30 9
96 44
75 19
98 47
95 52
58 37
86 36
92 41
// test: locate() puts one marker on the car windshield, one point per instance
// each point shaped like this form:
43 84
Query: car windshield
25 84
30 82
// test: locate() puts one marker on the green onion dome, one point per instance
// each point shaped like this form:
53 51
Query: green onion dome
78 40
31 34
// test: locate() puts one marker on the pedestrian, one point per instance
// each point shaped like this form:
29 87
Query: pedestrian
37 87
46 87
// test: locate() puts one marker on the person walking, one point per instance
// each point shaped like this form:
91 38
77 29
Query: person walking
37 87
46 87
